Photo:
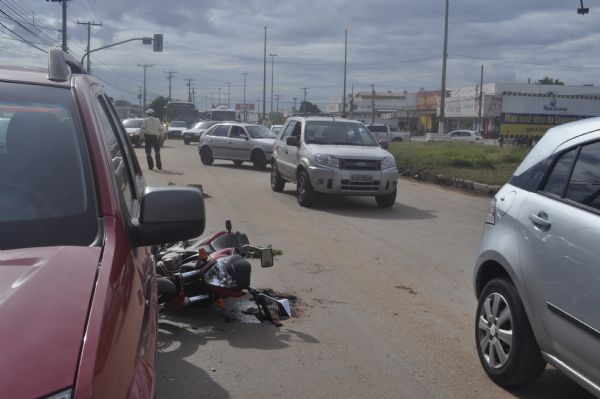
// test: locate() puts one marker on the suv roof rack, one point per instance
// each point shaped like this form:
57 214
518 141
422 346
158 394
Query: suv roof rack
61 65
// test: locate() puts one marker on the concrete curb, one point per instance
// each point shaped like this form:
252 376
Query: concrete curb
463 184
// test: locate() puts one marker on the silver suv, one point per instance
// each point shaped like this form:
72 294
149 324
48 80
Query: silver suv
537 277
332 156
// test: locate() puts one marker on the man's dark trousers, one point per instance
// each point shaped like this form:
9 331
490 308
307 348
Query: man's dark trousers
153 142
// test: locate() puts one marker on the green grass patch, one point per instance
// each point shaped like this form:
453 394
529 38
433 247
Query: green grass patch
481 163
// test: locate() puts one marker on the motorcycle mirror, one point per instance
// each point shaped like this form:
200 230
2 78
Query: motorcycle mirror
266 257
228 226
283 304
243 239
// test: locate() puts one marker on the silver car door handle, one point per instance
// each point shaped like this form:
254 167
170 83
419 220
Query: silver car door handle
228 141
540 221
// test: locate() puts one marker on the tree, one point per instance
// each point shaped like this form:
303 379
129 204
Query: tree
158 105
309 108
549 81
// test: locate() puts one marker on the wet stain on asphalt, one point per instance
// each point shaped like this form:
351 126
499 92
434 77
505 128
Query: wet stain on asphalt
407 289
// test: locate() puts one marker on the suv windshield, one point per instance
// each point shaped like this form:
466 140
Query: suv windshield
260 132
132 122
338 133
46 194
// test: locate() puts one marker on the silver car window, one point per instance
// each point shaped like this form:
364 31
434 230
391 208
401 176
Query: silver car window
584 185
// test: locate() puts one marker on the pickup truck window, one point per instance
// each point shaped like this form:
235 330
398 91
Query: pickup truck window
378 129
46 190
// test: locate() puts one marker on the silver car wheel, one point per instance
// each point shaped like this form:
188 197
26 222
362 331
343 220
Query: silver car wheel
301 188
495 330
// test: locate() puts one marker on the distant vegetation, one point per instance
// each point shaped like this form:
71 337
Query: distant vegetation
481 163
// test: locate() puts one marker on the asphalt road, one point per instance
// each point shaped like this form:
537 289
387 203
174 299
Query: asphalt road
386 306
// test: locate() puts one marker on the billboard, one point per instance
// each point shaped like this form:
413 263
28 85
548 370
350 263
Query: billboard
428 100
534 114
240 107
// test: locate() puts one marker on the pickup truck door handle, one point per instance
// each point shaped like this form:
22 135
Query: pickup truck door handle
228 141
540 221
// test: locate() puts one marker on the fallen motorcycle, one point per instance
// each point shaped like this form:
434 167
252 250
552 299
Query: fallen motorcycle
202 272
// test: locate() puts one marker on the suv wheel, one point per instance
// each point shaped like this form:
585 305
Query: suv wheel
386 200
259 160
277 182
206 156
186 141
304 191
506 346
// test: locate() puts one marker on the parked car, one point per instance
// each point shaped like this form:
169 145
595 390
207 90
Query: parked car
238 142
332 156
275 129
132 127
381 132
175 129
455 135
194 133
78 299
537 276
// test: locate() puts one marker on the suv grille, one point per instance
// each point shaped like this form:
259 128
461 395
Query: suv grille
348 185
360 164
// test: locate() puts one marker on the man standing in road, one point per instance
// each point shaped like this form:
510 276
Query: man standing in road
152 132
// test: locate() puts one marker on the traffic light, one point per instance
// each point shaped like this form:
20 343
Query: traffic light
157 43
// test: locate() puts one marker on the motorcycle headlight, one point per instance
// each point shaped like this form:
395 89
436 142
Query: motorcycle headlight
327 160
388 163
217 275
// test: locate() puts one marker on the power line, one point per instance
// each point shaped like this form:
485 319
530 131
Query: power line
22 38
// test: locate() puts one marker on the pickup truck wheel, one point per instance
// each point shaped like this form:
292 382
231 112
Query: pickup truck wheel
186 141
386 200
277 182
506 345
304 191
259 160
206 156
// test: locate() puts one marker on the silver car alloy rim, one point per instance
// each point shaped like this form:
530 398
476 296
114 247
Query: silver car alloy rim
301 188
495 330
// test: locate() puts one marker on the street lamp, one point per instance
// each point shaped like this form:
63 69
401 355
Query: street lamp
583 10
244 104
272 61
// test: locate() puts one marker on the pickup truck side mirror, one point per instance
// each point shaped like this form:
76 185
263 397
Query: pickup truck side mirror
168 214
244 136
384 144
292 141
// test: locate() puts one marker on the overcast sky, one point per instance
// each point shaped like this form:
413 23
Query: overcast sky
394 44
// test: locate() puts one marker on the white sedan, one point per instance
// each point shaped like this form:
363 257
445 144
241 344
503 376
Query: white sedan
456 135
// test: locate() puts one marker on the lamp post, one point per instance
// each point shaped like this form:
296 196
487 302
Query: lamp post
272 74
244 104
444 57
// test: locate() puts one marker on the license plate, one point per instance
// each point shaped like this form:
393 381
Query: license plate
361 178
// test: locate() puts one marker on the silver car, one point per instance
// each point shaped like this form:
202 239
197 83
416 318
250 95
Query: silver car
332 156
537 276
238 142
194 133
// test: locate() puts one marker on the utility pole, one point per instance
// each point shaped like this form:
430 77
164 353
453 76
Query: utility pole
64 22
345 63
295 98
244 103
170 77
194 96
145 66
228 94
264 100
352 103
89 29
140 98
277 97
481 100
372 103
219 103
189 85
305 90
444 57
272 61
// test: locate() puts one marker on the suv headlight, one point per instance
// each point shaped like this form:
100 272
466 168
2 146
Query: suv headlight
388 163
327 160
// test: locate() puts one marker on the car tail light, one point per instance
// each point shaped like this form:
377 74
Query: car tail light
491 215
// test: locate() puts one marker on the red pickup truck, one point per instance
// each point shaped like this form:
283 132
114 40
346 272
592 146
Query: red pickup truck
78 303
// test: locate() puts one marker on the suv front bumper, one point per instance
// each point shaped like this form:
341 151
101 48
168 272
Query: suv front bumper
353 182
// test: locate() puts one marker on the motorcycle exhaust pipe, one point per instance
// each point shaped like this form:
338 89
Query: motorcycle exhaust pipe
196 300
191 275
